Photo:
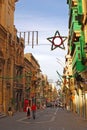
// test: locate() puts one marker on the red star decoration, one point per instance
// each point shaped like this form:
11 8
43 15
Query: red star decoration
60 41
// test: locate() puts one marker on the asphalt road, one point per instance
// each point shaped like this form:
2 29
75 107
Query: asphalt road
48 119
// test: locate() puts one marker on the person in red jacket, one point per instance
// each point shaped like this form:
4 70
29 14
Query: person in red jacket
33 108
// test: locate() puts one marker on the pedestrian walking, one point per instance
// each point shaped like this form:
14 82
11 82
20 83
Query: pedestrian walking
28 110
33 108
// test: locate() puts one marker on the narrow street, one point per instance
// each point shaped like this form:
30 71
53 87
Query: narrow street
48 119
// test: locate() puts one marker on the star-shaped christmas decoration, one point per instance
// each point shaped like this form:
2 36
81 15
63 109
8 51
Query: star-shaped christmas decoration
57 41
58 82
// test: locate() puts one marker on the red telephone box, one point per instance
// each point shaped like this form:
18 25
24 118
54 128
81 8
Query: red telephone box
26 102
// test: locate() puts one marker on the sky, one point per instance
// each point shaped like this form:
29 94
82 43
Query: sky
46 17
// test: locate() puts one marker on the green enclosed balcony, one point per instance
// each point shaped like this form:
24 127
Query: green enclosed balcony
75 29
77 59
72 3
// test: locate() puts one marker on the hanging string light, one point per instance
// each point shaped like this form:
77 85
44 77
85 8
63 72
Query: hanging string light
37 37
29 37
32 39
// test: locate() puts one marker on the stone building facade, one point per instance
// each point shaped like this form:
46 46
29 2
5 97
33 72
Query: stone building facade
11 58
20 76
77 49
34 76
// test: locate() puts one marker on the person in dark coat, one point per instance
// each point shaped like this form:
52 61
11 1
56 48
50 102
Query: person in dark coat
28 110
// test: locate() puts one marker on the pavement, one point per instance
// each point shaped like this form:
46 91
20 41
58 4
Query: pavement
2 115
49 119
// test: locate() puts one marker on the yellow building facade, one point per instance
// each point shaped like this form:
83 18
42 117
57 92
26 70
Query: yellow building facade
34 71
11 58
76 92
20 76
